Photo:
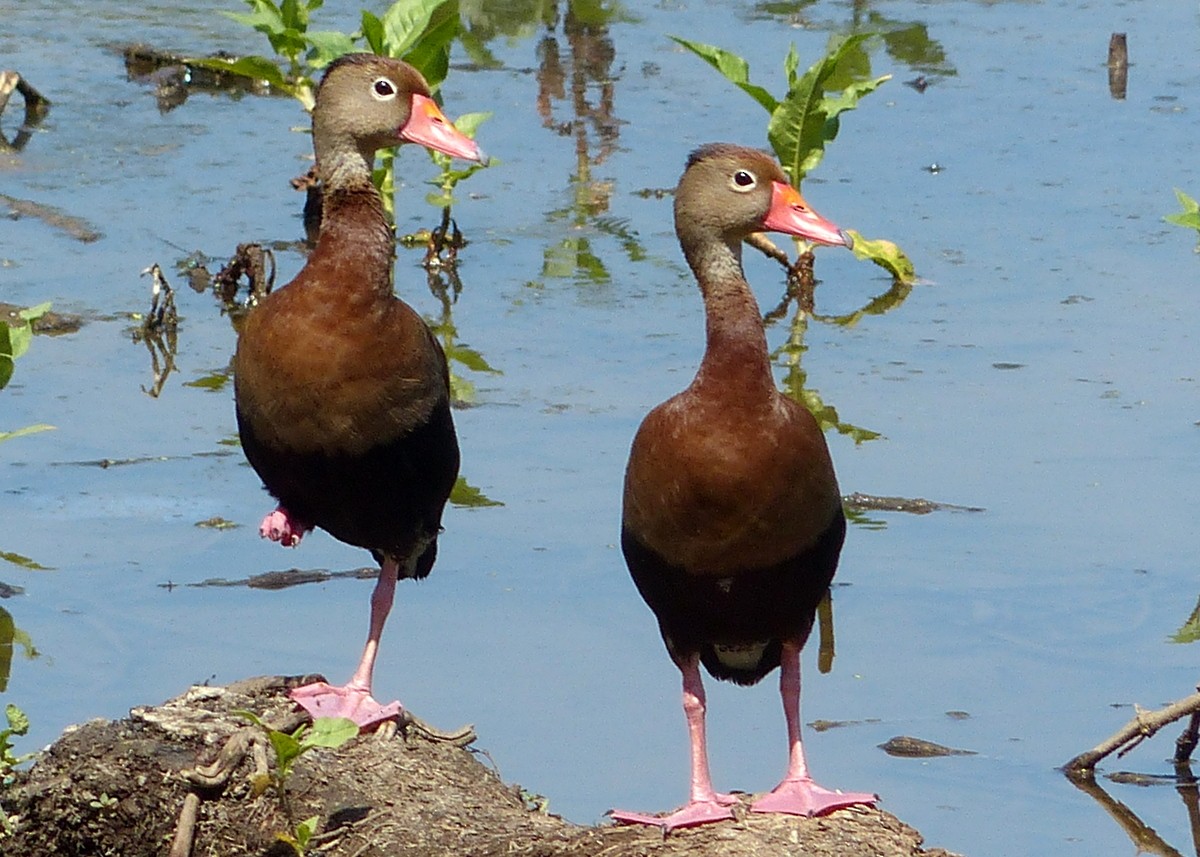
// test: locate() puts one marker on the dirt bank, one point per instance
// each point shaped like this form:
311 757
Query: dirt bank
122 787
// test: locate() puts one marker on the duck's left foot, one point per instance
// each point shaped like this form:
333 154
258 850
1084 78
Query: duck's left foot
697 812
804 797
356 703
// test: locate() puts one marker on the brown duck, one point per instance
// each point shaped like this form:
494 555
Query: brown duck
342 392
732 520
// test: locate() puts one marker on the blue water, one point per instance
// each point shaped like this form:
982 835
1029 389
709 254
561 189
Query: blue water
1040 243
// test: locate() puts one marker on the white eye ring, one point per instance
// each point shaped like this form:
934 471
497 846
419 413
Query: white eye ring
743 181
383 89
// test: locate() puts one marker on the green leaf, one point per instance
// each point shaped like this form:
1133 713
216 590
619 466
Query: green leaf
330 732
885 254
806 120
287 748
6 362
1189 218
431 52
735 69
33 313
404 22
15 340
18 721
465 494
470 358
23 561
253 67
328 46
372 30
469 123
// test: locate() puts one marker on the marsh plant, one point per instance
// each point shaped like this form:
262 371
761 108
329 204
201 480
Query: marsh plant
420 32
15 339
808 117
331 732
1189 218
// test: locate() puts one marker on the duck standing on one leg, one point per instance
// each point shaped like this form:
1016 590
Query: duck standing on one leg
732 520
342 391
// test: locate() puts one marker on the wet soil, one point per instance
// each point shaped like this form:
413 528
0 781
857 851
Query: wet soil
132 787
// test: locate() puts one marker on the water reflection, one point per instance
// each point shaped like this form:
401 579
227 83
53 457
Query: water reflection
581 75
906 42
11 639
1143 837
36 108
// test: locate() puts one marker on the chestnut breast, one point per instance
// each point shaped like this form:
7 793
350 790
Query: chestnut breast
325 367
716 485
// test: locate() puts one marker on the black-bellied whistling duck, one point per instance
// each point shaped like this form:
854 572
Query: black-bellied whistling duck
732 520
343 398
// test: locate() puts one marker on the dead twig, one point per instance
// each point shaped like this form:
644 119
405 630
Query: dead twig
1143 725
185 830
159 330
460 737
252 261
36 108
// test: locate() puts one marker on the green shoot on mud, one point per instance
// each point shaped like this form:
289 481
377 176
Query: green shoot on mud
807 118
330 732
18 724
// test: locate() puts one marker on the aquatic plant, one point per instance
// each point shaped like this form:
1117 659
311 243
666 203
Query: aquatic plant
1189 218
14 341
420 32
807 118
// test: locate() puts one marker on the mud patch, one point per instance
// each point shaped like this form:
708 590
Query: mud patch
120 787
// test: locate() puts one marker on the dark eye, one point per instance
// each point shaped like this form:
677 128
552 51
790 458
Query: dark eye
384 89
743 181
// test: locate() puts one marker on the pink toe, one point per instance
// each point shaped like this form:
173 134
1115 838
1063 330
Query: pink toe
323 700
692 815
804 797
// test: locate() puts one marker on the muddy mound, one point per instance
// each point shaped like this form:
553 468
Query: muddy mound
193 777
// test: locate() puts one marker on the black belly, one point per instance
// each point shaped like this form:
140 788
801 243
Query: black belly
697 613
388 500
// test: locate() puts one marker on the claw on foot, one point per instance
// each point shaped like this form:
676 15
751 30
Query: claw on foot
692 815
323 700
804 797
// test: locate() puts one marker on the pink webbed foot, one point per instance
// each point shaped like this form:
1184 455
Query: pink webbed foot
804 797
279 526
323 700
697 812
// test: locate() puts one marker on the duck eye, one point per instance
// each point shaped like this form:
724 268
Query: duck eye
743 181
383 89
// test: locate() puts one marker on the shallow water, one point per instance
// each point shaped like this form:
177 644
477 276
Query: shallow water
1045 370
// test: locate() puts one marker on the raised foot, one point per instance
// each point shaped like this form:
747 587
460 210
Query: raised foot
693 815
323 700
804 797
281 527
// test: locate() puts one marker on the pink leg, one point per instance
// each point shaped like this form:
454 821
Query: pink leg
798 794
705 804
353 699
280 526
